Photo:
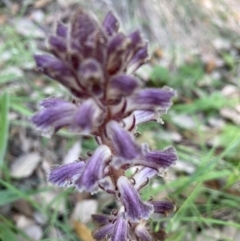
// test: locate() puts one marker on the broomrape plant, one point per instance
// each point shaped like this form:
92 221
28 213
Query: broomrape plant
96 62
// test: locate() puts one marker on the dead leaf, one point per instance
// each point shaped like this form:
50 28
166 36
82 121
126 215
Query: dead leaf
82 231
84 209
25 165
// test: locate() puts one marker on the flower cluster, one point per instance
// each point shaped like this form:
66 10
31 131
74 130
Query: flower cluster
96 62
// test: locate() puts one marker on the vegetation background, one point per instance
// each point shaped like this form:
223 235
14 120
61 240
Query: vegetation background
195 49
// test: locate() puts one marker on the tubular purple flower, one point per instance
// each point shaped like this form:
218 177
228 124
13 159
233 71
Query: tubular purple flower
120 228
91 76
122 85
103 232
82 26
158 160
163 207
151 100
135 208
61 29
57 46
94 169
87 118
122 141
110 24
50 120
138 59
66 175
102 219
58 70
117 53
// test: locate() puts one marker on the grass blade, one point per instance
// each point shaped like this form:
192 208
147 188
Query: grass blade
4 105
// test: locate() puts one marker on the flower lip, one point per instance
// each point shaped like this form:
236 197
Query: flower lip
66 175
120 228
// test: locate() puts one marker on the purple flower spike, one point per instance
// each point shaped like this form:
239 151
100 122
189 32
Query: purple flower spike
94 169
135 208
151 100
142 233
122 85
110 24
122 141
50 120
163 207
143 176
103 232
87 118
58 70
120 228
66 175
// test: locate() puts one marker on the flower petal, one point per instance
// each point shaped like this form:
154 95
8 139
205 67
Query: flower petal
52 102
60 71
117 53
163 207
102 219
135 208
138 59
50 120
57 46
151 100
160 159
94 169
143 176
110 23
82 26
143 116
122 85
103 232
123 143
120 229
66 175
88 117
61 29
91 76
